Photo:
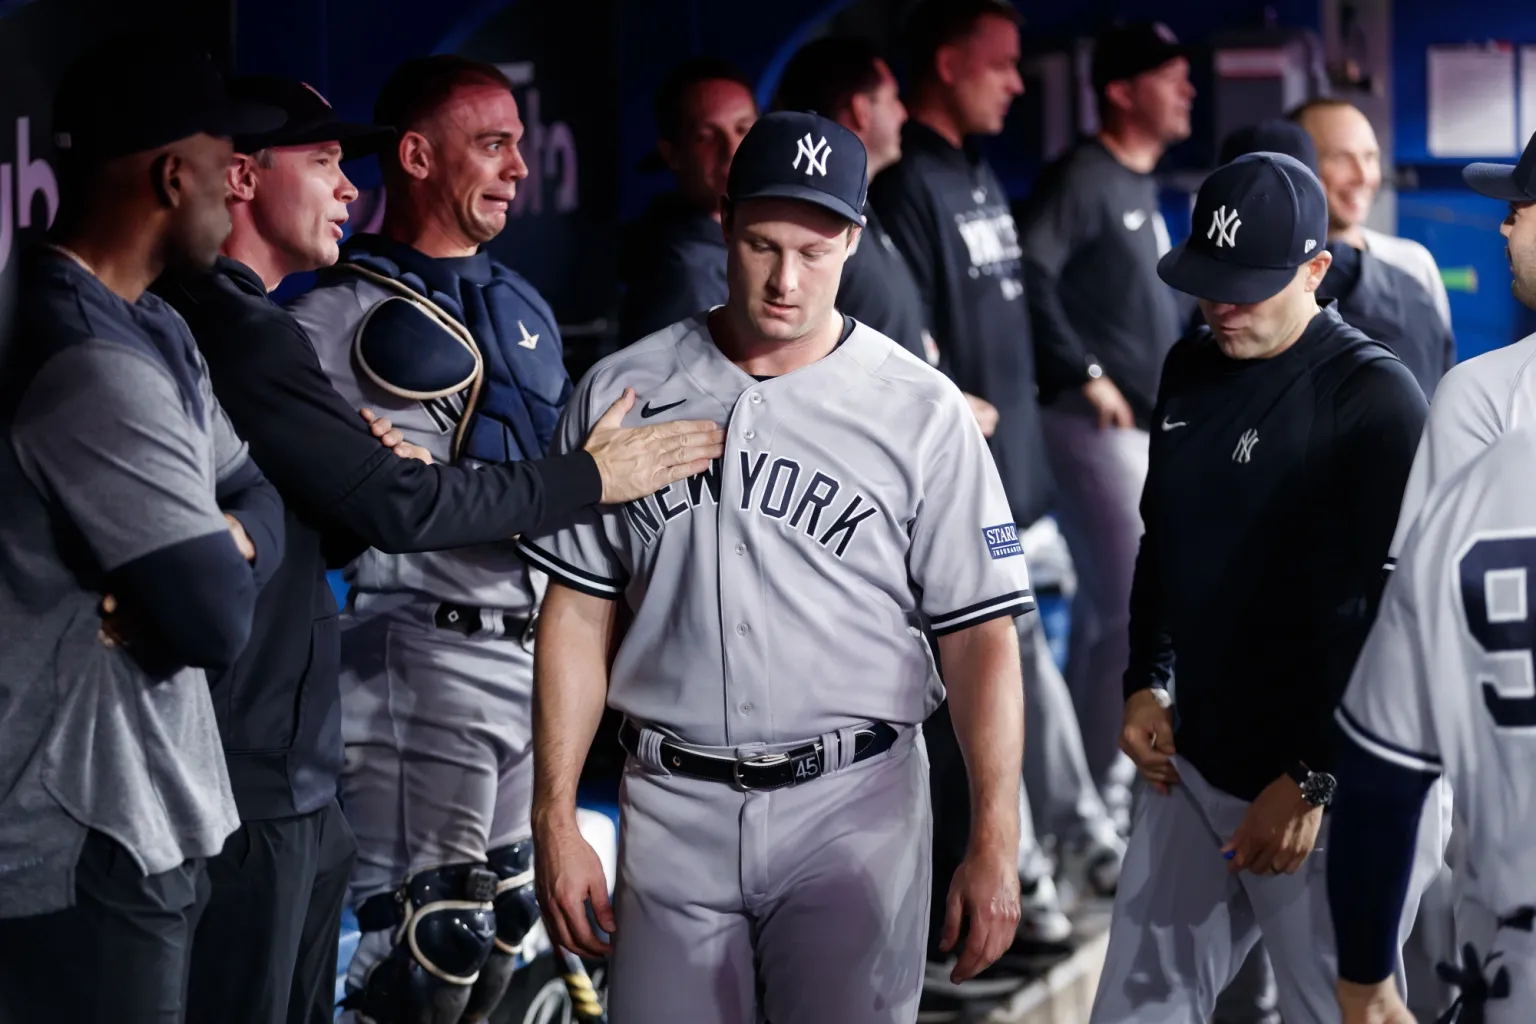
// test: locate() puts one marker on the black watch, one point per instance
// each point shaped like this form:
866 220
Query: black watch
1316 787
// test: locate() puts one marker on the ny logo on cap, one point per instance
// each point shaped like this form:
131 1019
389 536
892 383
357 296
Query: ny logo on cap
1224 225
805 148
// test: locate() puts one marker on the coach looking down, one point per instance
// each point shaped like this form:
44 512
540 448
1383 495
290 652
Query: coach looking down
121 478
1282 441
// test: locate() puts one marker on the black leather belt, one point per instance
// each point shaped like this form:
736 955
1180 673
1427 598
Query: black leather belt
764 771
465 619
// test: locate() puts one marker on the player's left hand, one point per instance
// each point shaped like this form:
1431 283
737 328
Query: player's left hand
1372 1004
984 894
1277 834
392 439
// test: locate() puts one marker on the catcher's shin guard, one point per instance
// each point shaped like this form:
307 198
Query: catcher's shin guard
444 922
517 909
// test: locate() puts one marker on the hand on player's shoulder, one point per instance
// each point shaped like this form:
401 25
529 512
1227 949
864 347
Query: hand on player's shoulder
636 461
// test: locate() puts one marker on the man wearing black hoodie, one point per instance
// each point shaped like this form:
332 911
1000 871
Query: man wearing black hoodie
672 259
265 950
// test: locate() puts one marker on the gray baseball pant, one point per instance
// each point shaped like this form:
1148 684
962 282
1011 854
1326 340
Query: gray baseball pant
1100 475
798 905
1063 799
438 733
1183 925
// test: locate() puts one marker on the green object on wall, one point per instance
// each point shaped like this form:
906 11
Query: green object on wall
1459 279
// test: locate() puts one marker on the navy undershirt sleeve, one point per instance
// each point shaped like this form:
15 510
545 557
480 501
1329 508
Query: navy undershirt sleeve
250 498
1371 846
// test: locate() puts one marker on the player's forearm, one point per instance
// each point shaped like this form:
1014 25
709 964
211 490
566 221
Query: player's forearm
570 687
986 705
1371 847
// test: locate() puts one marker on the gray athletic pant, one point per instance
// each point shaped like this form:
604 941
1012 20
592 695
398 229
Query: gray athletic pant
800 905
1100 475
1182 924
439 758
1063 799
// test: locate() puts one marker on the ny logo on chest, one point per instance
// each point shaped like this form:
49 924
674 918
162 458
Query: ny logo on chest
778 489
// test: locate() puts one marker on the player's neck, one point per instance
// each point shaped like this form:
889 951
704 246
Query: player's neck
769 357
425 233
1131 147
929 110
126 263
1352 234
245 245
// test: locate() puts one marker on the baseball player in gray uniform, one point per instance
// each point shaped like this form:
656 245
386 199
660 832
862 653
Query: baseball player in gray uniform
1476 403
775 824
1442 695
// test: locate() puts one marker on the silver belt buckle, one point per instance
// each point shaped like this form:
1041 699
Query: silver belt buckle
526 640
761 761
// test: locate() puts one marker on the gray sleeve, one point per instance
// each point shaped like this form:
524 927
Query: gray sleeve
581 554
966 553
104 433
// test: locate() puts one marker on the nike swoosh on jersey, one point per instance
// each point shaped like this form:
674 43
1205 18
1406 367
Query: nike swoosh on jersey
648 411
1174 426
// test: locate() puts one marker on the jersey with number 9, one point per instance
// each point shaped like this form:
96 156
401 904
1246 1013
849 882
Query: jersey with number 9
1446 683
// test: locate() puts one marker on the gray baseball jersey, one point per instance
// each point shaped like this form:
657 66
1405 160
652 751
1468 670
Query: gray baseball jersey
782 594
1447 682
486 575
1476 402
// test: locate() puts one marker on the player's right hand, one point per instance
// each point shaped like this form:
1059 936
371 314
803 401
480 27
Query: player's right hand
637 461
1147 738
1372 1004
569 875
984 896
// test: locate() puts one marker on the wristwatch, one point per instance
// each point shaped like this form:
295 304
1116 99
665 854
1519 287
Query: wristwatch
1316 787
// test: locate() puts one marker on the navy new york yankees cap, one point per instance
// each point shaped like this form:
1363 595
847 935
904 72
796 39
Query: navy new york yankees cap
794 155
1513 183
1256 220
310 118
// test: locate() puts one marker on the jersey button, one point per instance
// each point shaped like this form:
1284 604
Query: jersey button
741 630
741 549
756 398
746 709
748 434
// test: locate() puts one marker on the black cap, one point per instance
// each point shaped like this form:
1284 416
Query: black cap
139 91
1273 135
310 118
1125 51
794 155
1513 183
1256 220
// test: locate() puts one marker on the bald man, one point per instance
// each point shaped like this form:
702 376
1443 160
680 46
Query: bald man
1349 163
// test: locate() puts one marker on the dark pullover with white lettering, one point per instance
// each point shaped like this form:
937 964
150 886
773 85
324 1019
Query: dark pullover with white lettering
948 214
1271 497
